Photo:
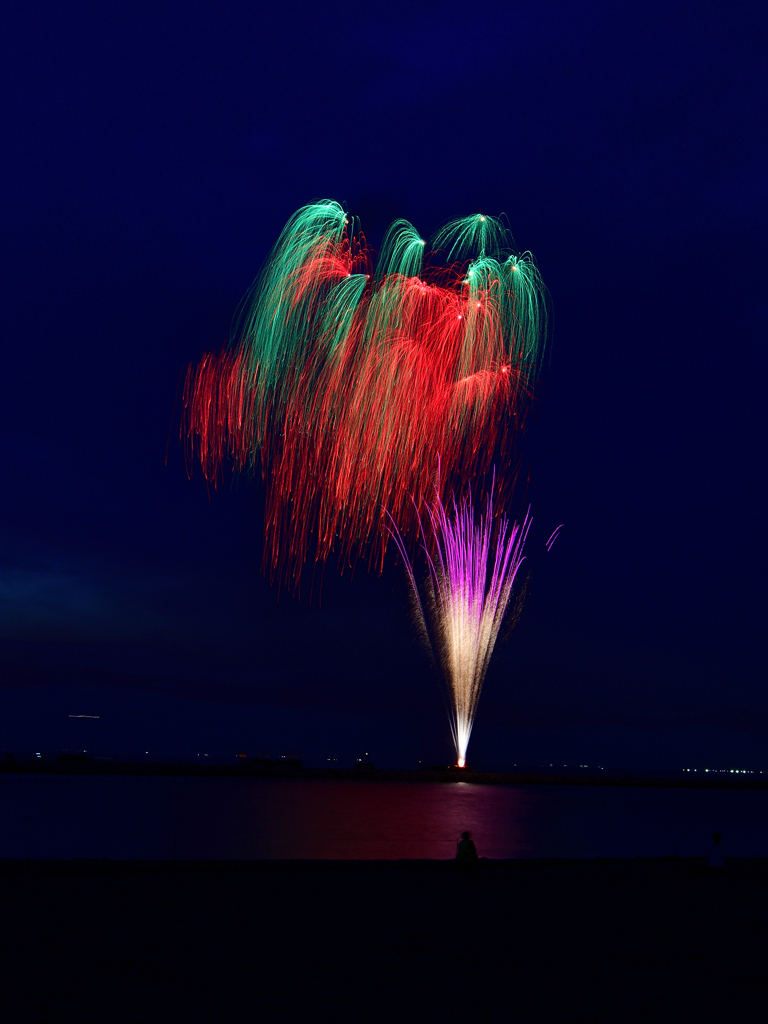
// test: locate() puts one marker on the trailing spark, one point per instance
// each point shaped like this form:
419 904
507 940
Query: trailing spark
348 378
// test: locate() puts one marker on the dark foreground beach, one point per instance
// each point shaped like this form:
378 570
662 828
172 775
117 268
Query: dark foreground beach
536 942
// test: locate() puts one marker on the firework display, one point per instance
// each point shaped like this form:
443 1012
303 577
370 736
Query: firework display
472 568
352 377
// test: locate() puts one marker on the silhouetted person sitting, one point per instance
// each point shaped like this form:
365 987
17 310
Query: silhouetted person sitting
466 852
716 853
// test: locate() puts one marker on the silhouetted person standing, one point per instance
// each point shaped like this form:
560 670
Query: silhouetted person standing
466 851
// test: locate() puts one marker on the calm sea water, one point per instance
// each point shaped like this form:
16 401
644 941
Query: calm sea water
62 817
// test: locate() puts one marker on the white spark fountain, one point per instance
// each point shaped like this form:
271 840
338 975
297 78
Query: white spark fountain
472 569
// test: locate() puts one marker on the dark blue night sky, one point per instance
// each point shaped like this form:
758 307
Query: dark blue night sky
152 154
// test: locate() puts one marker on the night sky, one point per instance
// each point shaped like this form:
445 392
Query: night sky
153 152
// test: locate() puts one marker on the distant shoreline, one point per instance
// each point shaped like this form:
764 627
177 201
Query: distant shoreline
430 775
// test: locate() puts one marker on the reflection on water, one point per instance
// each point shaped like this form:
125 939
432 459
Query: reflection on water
124 817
